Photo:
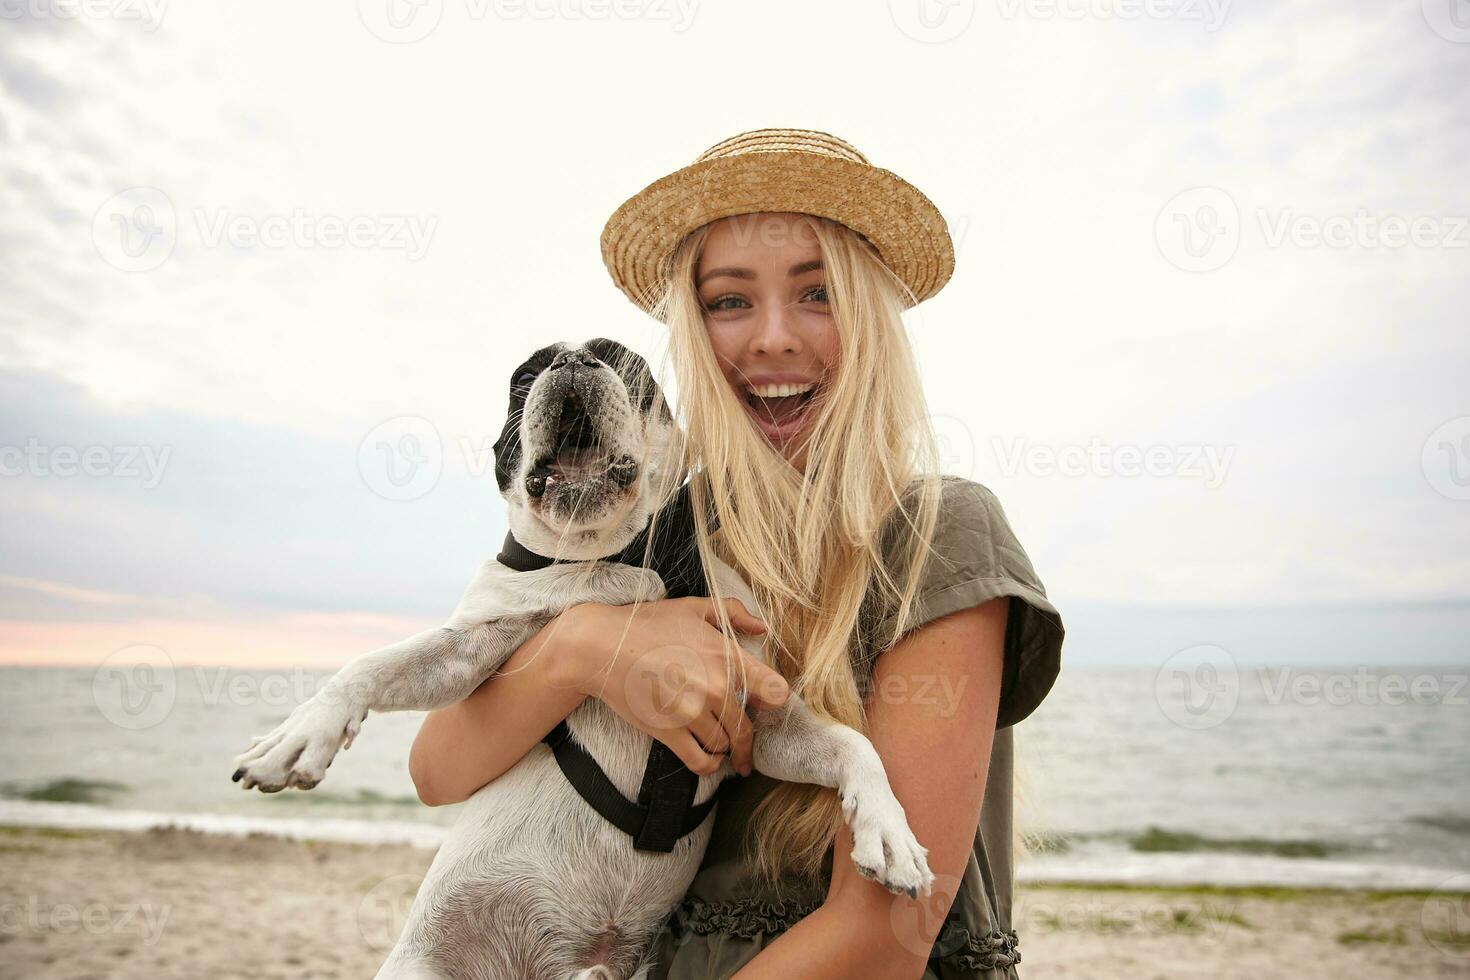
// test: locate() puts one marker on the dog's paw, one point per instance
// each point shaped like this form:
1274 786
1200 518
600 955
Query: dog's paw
883 847
298 752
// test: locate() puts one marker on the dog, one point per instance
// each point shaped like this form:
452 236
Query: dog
533 882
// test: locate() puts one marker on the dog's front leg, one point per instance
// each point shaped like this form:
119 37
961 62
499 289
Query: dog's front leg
792 743
429 670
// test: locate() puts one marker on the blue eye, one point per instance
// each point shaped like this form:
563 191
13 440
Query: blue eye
822 290
715 304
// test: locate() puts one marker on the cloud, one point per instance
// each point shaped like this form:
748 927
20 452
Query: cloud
1052 145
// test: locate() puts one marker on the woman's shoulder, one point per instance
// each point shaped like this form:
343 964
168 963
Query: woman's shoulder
972 533
975 556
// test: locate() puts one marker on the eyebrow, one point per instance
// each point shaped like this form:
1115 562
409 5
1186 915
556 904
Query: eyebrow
734 273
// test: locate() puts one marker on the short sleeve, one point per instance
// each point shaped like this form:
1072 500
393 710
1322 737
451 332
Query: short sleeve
976 558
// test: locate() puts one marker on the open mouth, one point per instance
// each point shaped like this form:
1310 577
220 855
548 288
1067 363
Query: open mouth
579 455
780 410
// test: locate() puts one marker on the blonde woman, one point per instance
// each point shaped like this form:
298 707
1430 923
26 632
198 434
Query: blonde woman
894 599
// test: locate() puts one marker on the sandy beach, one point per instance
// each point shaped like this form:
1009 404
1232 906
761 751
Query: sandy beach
170 903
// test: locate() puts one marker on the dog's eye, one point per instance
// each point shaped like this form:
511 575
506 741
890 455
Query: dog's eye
525 379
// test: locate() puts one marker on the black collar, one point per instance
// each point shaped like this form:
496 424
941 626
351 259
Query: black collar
675 555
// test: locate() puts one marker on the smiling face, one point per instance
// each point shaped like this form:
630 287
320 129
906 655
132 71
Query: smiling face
586 434
761 285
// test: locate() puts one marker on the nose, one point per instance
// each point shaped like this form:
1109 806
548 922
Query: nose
573 357
775 331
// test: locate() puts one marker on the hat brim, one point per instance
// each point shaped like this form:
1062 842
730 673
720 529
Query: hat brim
894 216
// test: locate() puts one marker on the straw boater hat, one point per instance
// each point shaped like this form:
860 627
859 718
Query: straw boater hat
798 170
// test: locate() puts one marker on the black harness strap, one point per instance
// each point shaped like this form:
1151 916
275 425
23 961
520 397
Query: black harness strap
665 810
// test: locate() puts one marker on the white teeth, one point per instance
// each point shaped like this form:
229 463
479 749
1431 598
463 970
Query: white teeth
779 391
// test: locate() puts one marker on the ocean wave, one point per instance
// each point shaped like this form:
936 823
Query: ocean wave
76 816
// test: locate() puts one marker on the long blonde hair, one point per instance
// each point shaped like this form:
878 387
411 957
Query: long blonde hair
811 544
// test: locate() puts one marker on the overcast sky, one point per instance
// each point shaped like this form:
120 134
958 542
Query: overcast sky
266 268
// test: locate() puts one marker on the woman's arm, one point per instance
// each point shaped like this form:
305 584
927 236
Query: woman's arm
931 712
634 658
466 745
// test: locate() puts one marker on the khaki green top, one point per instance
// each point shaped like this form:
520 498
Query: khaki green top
727 917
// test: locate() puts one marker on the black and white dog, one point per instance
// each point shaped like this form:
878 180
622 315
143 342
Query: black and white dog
534 880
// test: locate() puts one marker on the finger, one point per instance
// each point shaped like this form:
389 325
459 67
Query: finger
741 734
740 617
711 734
765 687
687 749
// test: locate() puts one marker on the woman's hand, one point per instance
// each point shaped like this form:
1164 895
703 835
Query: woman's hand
664 667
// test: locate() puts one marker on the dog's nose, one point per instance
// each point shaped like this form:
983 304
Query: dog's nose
580 355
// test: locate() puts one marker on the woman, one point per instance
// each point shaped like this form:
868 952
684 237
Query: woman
894 600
